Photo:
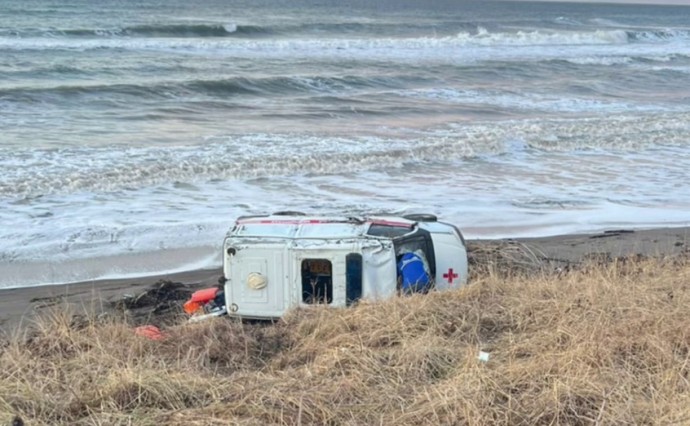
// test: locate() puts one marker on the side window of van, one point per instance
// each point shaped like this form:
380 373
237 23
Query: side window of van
317 281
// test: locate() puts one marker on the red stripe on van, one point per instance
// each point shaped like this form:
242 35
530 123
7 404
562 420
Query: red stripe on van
391 223
291 221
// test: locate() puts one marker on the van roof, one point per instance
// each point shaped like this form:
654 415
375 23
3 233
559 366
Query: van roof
318 227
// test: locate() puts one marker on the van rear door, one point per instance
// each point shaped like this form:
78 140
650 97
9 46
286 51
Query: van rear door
257 284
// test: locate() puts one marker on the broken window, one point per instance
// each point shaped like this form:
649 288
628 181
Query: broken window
420 240
317 281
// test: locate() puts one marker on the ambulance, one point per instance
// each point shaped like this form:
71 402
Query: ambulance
274 263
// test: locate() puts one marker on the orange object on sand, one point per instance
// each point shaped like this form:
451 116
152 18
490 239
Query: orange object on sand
149 331
191 307
205 295
199 299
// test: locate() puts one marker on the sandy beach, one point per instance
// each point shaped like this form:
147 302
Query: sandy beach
529 255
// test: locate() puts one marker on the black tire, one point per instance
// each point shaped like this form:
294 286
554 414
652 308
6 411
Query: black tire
421 217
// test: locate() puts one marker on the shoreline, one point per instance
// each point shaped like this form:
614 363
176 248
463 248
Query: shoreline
18 305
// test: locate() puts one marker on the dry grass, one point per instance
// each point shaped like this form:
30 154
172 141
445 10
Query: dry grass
602 345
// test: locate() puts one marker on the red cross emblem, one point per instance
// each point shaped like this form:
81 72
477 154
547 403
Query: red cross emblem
450 275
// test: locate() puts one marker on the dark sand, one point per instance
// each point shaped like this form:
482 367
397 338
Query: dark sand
529 255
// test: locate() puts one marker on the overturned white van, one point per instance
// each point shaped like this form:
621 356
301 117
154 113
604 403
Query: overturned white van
277 262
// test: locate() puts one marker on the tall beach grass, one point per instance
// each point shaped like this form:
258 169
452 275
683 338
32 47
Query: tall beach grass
603 344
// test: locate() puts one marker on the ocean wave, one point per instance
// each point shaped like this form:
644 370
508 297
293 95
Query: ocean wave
539 38
551 203
296 84
203 30
143 31
658 35
479 38
599 60
260 86
470 31
360 28
35 172
565 20
471 34
472 43
532 101
377 28
198 30
102 169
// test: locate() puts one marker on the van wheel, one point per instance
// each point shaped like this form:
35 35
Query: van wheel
288 213
421 217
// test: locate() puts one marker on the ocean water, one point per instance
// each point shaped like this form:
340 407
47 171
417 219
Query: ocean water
132 133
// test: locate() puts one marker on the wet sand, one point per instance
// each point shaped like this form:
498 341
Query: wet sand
19 305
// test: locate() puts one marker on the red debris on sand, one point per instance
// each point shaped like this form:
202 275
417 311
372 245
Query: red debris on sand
149 331
205 295
200 298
